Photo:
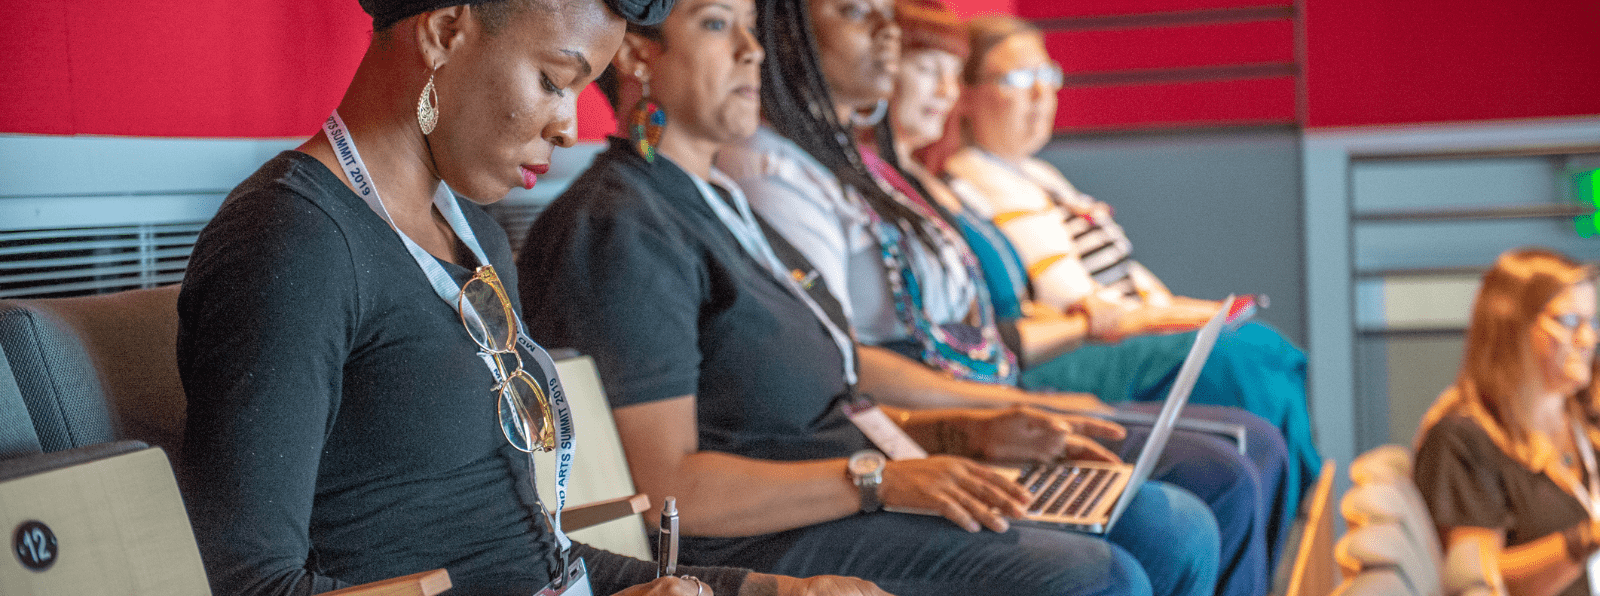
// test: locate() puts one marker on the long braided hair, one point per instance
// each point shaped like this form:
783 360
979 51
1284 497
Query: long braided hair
798 105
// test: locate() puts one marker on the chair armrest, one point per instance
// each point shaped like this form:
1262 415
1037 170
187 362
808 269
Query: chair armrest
599 512
426 583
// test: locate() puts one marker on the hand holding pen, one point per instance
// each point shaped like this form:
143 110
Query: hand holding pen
667 542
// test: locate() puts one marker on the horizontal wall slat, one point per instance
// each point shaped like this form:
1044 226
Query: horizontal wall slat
1055 9
127 241
1378 186
1216 103
1173 47
95 286
95 260
13 235
1474 243
133 267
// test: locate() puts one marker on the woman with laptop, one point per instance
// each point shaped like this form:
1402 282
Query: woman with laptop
1506 456
906 280
927 89
361 399
1080 264
734 388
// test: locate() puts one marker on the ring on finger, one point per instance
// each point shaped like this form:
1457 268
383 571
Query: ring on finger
699 586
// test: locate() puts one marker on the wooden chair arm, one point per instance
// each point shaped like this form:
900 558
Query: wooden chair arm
426 583
599 512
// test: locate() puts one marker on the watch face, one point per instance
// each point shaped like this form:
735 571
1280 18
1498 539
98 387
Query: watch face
866 463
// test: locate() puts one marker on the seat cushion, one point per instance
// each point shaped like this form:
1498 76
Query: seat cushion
57 379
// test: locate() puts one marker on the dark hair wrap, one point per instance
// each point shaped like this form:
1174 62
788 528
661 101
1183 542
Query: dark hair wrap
385 13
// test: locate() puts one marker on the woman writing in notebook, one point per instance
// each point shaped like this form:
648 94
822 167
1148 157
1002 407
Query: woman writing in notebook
1506 456
360 398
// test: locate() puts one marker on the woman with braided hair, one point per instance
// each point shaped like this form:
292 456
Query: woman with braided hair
806 175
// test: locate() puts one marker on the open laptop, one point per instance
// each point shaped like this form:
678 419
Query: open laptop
1089 496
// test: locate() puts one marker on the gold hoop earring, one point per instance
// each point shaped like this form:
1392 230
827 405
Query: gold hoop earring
428 107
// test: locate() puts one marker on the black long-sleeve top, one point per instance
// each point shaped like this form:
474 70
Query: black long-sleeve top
341 428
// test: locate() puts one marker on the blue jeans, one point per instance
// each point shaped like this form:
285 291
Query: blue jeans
1167 541
1243 491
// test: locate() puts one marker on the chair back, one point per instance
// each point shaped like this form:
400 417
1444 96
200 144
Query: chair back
99 520
1392 533
93 369
1397 503
600 469
76 373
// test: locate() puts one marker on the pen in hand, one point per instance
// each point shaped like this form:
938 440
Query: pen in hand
667 543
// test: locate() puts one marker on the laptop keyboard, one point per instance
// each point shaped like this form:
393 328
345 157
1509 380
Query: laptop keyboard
1066 490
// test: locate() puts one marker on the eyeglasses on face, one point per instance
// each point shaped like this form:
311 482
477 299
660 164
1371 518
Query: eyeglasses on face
526 419
1572 321
1025 78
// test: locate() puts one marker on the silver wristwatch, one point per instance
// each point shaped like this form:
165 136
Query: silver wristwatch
866 470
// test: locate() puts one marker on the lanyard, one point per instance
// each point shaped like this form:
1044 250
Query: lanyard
445 201
745 229
1589 499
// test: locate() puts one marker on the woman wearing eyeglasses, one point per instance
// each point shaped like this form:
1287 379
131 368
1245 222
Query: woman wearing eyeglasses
1078 261
733 386
361 396
927 89
1506 456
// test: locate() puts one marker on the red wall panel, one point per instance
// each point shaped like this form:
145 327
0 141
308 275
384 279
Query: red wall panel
160 68
1057 9
36 83
1172 47
972 8
595 118
1385 62
190 69
1212 103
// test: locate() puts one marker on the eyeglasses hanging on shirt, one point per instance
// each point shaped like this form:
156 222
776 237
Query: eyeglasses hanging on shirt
485 308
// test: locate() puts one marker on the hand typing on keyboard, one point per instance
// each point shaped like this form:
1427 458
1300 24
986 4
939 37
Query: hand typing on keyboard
961 490
1025 434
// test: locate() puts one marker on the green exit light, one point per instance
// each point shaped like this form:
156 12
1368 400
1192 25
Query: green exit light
1586 190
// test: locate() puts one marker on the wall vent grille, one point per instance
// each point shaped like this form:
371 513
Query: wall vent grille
94 260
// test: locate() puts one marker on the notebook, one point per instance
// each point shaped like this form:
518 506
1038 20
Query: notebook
1089 496
100 520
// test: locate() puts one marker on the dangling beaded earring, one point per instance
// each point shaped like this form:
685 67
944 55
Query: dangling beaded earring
646 121
428 106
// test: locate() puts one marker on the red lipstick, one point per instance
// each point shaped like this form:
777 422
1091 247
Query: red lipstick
530 175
